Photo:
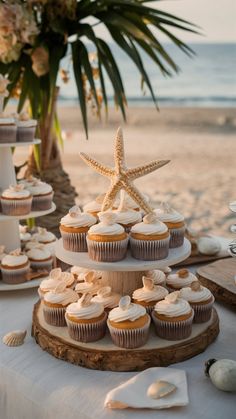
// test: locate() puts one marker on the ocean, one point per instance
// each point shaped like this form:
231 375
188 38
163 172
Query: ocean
208 79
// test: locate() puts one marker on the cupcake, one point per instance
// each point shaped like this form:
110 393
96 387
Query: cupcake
55 303
180 279
55 277
95 206
74 227
201 300
127 218
128 324
107 298
25 236
157 276
42 194
91 284
16 200
25 127
173 317
86 320
40 258
149 294
149 240
45 237
175 223
107 241
15 267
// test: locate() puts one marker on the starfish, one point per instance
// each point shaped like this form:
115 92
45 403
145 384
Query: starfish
121 176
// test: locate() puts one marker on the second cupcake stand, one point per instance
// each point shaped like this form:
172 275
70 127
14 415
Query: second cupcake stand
124 277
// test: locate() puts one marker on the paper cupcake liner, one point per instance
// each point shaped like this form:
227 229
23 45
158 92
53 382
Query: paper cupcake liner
87 332
42 203
15 276
149 249
25 134
74 242
176 237
16 207
7 134
173 330
107 251
129 338
38 265
202 312
54 316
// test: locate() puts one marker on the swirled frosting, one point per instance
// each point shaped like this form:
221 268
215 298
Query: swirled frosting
107 298
64 298
14 260
39 188
149 226
157 276
132 313
84 287
92 206
128 216
38 253
145 294
90 311
203 294
16 191
43 236
172 309
107 226
25 236
76 218
177 281
166 214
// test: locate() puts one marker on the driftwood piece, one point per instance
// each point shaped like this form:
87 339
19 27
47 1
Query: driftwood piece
103 355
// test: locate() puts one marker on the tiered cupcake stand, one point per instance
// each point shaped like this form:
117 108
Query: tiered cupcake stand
124 277
9 225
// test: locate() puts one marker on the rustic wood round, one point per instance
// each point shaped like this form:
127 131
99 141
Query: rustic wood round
103 355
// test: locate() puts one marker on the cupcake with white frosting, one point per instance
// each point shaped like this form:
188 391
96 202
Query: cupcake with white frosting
42 194
91 284
25 127
107 298
15 267
128 324
40 258
201 300
157 276
74 227
149 240
149 294
25 235
55 303
86 320
180 279
175 223
16 200
173 317
107 241
95 206
55 277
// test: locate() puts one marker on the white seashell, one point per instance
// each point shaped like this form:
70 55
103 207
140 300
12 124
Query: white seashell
55 273
124 302
150 218
160 389
107 217
74 211
85 300
167 270
148 283
15 338
208 245
172 297
195 286
222 373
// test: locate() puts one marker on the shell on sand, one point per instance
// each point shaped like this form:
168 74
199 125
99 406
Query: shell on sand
14 338
208 245
160 389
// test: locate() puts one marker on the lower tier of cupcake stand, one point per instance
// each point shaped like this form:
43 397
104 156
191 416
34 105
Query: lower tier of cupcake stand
104 355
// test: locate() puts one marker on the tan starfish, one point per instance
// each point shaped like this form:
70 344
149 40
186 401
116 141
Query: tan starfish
122 177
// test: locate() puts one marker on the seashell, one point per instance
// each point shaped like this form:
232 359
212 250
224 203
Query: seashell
183 273
195 286
148 283
124 302
15 252
172 297
67 277
208 245
233 228
14 338
232 248
85 300
104 292
222 373
74 211
55 273
232 206
61 287
150 218
90 277
107 217
100 198
167 270
160 389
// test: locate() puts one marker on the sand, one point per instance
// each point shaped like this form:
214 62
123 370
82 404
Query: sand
201 144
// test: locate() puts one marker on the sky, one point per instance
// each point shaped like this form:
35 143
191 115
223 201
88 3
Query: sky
217 18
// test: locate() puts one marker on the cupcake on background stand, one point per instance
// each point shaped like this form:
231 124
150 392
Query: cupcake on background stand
128 324
55 303
201 300
157 276
26 127
16 200
15 267
95 206
40 258
180 279
7 123
175 223
149 240
25 235
107 298
74 228
149 294
45 237
91 284
86 320
42 194
55 277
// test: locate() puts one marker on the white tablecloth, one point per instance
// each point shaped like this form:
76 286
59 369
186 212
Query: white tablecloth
34 385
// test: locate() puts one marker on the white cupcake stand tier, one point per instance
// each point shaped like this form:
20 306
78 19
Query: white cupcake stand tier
124 277
9 225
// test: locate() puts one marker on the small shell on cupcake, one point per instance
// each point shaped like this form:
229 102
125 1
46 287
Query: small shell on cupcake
90 284
56 276
182 278
107 298
16 200
149 294
15 267
175 223
201 300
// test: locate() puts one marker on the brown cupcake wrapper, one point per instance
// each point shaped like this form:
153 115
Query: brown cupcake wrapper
107 251
173 330
7 134
54 316
16 207
38 265
130 338
42 203
87 332
74 242
176 237
17 276
25 134
149 249
202 312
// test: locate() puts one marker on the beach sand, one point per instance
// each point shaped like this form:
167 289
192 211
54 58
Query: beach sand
200 142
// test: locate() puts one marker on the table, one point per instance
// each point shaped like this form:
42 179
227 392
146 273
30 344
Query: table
34 385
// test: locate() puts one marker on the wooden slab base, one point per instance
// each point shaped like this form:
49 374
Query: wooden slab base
103 355
219 278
